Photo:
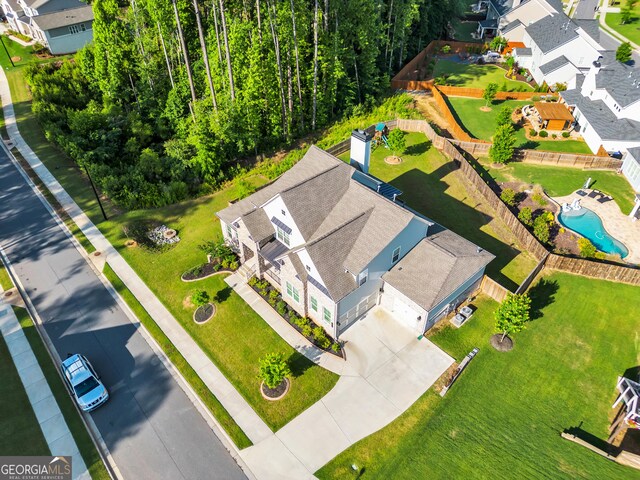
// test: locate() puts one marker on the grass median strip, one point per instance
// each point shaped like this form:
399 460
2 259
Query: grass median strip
71 416
212 403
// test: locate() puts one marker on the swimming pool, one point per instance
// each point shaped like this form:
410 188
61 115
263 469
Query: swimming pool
588 224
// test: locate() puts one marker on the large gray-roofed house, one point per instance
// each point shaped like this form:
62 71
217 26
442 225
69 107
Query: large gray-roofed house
63 18
554 64
324 236
619 80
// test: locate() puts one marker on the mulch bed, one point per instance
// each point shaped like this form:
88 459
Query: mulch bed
502 346
205 313
206 270
275 393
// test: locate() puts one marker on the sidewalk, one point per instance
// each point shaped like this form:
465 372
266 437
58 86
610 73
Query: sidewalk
233 402
611 32
54 428
4 29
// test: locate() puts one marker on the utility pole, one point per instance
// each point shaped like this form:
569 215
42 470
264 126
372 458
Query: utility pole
5 49
95 192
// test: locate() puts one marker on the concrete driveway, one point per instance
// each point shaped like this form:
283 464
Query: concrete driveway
387 370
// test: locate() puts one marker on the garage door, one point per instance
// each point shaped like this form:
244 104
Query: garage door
405 313
356 312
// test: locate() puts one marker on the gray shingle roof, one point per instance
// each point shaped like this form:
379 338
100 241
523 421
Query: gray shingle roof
590 26
258 225
635 153
552 31
554 64
602 119
489 23
522 52
436 267
502 6
510 26
619 80
63 18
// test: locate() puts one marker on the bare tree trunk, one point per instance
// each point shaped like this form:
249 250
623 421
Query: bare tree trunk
166 57
259 20
289 86
205 55
315 66
393 37
215 21
386 50
295 46
326 15
355 66
227 51
184 52
276 45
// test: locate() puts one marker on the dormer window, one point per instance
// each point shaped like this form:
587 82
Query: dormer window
362 278
283 236
396 255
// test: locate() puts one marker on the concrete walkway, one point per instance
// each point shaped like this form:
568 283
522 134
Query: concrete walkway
281 326
610 31
386 371
53 425
233 402
5 29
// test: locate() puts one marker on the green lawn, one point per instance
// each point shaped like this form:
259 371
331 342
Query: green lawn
87 449
237 337
630 30
21 55
463 31
20 433
482 125
432 188
560 181
504 415
475 76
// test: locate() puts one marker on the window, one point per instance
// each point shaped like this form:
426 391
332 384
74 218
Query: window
284 214
314 304
82 27
229 231
74 29
282 236
362 278
293 292
326 315
308 268
396 255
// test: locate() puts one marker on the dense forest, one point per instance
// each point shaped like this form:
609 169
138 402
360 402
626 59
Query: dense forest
171 92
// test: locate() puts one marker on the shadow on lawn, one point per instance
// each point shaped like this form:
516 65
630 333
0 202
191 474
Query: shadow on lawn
427 193
223 294
299 364
542 295
417 149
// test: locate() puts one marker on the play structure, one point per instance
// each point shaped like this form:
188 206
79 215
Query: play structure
629 414
380 136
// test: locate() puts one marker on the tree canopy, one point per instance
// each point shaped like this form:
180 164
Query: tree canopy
504 140
171 94
624 52
513 314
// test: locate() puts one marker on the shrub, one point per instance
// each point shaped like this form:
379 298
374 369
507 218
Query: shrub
233 265
281 307
273 294
565 134
273 369
542 226
601 255
533 132
445 49
200 298
224 263
335 346
244 189
508 196
544 133
554 136
539 199
587 249
504 88
525 216
196 271
301 322
307 330
535 98
253 281
321 337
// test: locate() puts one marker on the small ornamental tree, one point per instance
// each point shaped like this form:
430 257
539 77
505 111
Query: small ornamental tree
525 216
200 298
512 314
623 53
504 117
498 44
504 142
508 196
273 370
587 249
490 93
397 141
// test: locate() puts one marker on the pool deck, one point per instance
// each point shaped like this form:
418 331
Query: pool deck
619 225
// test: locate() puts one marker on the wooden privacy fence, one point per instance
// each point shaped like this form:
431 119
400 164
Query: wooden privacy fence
580 266
456 130
585 161
477 93
493 289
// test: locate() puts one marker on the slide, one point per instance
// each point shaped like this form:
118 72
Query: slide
384 139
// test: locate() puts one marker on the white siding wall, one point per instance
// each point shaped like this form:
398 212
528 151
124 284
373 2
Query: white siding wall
275 208
566 74
403 308
631 171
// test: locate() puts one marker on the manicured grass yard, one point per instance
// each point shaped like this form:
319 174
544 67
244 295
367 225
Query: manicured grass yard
463 31
482 125
475 76
559 181
431 187
504 416
236 337
631 30
20 433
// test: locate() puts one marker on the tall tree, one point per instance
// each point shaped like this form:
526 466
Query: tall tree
185 51
223 20
205 54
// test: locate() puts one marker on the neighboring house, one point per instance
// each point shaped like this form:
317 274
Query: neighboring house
63 26
606 104
335 242
631 167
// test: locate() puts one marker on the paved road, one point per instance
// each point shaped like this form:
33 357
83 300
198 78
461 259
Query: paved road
586 9
150 426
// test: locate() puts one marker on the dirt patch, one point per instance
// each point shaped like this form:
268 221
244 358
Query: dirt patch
485 109
16 59
187 303
501 344
392 160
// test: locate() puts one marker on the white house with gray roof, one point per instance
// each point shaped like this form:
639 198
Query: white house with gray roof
63 26
335 241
